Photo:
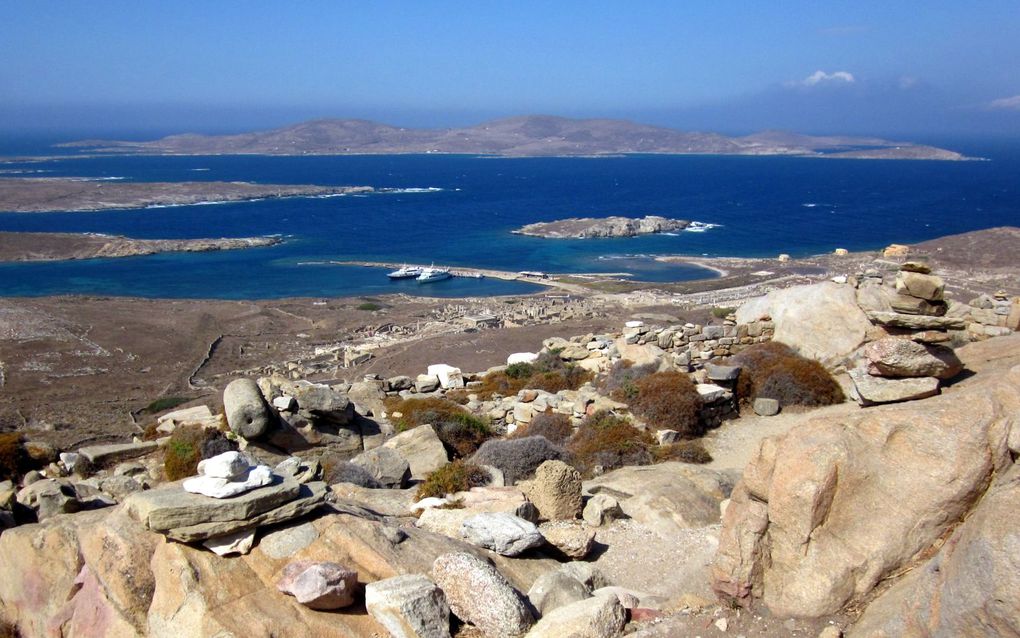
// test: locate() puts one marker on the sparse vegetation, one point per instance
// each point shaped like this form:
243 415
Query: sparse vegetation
608 441
14 460
721 312
553 426
668 401
165 403
620 382
517 458
773 370
188 445
456 476
369 306
685 451
548 373
459 430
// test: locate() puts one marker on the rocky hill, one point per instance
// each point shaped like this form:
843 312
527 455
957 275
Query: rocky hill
525 136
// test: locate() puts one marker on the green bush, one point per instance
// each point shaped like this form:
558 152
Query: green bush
608 441
460 431
519 370
773 370
456 476
668 401
547 373
190 444
721 312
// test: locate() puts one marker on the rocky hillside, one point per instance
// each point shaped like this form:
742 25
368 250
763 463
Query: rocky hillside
532 135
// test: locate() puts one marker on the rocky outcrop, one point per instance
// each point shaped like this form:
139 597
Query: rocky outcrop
820 321
828 510
410 606
555 491
589 227
480 595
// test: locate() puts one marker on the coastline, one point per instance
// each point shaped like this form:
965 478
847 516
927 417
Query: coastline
28 247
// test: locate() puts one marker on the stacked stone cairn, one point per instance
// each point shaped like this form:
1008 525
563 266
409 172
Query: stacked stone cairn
915 358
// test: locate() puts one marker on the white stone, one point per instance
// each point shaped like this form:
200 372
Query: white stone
634 324
284 403
521 357
69 460
711 392
501 532
223 488
228 465
839 279
236 543
449 377
429 502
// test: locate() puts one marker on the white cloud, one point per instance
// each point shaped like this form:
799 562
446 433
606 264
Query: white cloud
1006 103
818 77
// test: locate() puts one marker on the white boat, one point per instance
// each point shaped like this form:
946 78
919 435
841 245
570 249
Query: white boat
433 274
406 272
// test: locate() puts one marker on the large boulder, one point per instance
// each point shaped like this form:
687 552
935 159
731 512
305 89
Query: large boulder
555 491
386 466
501 532
968 588
480 595
555 589
409 606
596 617
422 449
319 584
872 390
834 506
899 357
247 413
821 321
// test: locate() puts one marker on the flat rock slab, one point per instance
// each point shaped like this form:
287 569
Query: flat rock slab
875 390
115 452
917 322
171 507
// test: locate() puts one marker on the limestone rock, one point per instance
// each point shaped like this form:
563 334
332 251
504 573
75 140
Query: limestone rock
229 465
422 449
842 504
234 543
601 509
480 595
49 497
521 357
400 382
386 465
917 322
871 390
916 306
573 539
368 397
501 532
101 455
920 285
409 606
319 584
284 542
596 617
246 409
897 357
449 376
555 589
555 491
766 407
316 402
425 383
821 321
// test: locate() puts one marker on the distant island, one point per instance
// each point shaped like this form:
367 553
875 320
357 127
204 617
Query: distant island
43 194
603 227
22 247
526 136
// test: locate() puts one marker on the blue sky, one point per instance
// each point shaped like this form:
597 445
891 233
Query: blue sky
924 68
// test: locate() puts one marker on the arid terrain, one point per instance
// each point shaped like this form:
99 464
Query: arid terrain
64 246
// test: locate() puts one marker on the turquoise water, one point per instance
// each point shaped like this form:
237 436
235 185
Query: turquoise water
464 215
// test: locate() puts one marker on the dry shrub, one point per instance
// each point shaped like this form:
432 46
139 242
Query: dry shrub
517 458
620 382
684 451
668 401
773 370
552 425
14 461
501 384
548 373
608 441
456 476
460 431
190 444
8 630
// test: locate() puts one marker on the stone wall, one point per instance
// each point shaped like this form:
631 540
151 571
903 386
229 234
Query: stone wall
694 344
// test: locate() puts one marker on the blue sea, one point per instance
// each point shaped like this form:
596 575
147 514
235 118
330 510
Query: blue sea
459 211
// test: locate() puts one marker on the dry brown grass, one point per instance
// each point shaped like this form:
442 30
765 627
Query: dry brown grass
459 430
773 370
686 451
553 426
14 460
607 441
456 476
668 401
188 445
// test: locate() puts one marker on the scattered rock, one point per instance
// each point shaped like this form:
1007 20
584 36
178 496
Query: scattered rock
386 466
49 497
214 487
555 589
917 322
573 539
923 286
871 390
596 617
480 595
409 606
235 543
897 357
503 533
229 465
102 455
555 491
601 509
766 407
245 408
449 377
425 383
319 585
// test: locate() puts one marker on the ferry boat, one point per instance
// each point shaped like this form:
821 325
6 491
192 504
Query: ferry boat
433 274
406 272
